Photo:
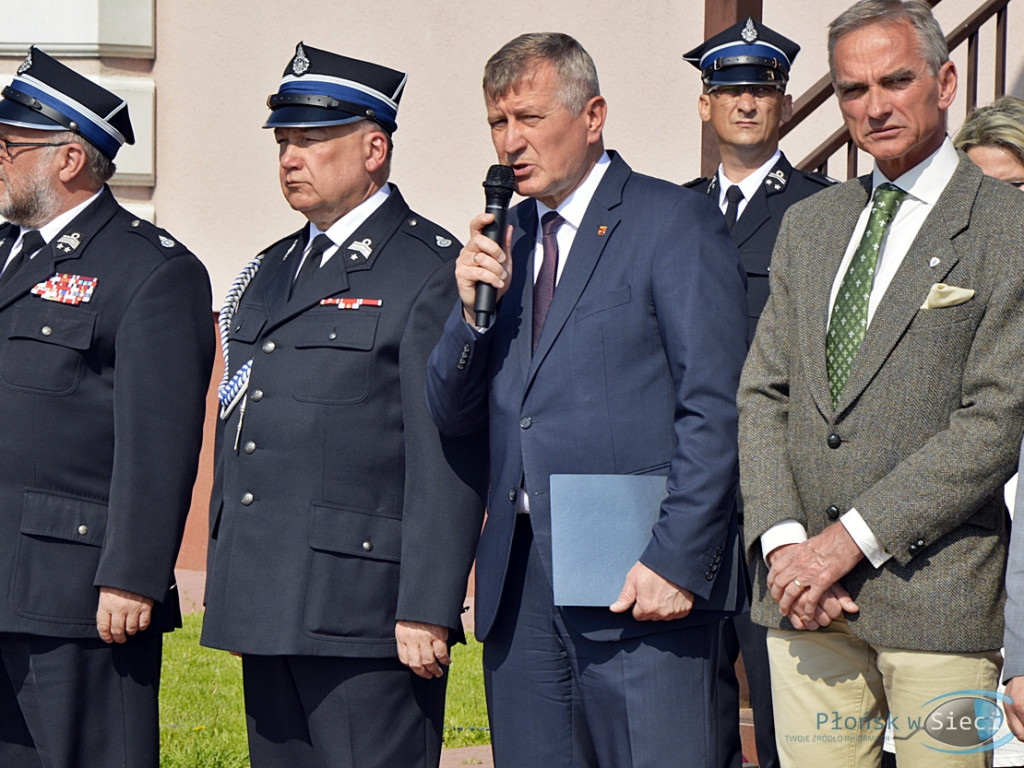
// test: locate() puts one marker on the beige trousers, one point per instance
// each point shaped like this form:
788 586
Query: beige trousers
834 694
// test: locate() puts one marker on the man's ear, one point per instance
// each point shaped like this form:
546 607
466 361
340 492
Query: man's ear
73 161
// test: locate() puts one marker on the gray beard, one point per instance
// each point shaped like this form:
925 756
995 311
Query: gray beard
32 206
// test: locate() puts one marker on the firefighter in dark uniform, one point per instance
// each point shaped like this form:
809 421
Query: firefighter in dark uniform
745 70
342 525
106 347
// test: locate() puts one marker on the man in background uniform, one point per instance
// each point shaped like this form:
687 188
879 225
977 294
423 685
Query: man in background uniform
745 70
341 528
106 346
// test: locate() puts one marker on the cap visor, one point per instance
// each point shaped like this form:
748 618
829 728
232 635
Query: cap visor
13 113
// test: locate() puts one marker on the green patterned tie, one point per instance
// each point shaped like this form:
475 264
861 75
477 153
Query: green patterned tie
849 318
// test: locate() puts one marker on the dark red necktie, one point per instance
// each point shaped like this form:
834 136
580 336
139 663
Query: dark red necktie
544 287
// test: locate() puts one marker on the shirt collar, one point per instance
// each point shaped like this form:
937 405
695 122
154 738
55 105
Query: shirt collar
575 205
928 179
346 226
751 183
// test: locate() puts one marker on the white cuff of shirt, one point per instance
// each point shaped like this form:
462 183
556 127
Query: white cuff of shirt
788 531
864 538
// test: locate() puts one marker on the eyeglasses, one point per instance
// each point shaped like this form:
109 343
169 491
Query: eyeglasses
729 93
5 146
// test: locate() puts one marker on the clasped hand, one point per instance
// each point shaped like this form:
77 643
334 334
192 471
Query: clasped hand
804 578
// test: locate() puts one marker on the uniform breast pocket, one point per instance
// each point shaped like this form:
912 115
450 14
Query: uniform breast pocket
335 354
44 349
58 552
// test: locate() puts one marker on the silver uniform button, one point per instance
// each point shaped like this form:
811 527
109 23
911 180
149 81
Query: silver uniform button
367 545
250 447
46 330
83 529
257 395
269 346
247 499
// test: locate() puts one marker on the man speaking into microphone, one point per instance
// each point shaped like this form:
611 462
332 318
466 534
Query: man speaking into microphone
614 353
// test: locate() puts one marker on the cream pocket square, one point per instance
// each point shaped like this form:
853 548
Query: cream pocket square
942 295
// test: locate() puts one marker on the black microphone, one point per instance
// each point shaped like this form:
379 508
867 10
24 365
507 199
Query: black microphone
498 188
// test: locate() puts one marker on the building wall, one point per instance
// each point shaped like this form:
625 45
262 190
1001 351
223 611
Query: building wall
207 171
201 71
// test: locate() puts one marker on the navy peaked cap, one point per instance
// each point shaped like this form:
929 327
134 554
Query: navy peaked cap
747 53
320 88
45 95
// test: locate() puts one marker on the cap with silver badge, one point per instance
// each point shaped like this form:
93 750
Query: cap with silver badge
747 53
45 95
320 88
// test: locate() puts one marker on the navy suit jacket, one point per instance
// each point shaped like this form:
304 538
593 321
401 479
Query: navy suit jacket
635 372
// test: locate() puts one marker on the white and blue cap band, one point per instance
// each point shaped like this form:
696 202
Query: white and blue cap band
48 96
320 88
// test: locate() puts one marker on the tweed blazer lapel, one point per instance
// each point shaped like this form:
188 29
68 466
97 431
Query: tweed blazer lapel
912 281
826 242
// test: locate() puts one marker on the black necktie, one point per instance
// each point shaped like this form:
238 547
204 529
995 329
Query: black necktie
31 242
733 194
544 287
310 266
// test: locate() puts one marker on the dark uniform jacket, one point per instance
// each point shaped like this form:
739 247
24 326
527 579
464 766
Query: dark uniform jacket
758 225
337 508
101 412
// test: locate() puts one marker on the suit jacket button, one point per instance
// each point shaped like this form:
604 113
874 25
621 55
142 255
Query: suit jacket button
83 529
269 346
512 495
367 546
257 395
247 499
834 441
710 576
249 447
525 422
832 512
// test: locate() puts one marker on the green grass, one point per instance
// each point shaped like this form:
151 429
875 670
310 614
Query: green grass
203 719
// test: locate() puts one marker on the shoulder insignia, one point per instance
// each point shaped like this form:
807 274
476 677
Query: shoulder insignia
166 242
362 248
442 242
776 180
68 243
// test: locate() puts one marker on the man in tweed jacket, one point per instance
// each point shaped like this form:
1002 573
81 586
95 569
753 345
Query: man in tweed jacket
875 518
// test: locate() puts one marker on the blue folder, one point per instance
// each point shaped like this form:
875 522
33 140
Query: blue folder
601 524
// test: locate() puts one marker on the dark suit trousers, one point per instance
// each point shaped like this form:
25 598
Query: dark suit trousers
314 711
739 633
558 700
79 703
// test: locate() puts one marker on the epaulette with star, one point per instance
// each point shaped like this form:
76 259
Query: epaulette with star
439 240
161 238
